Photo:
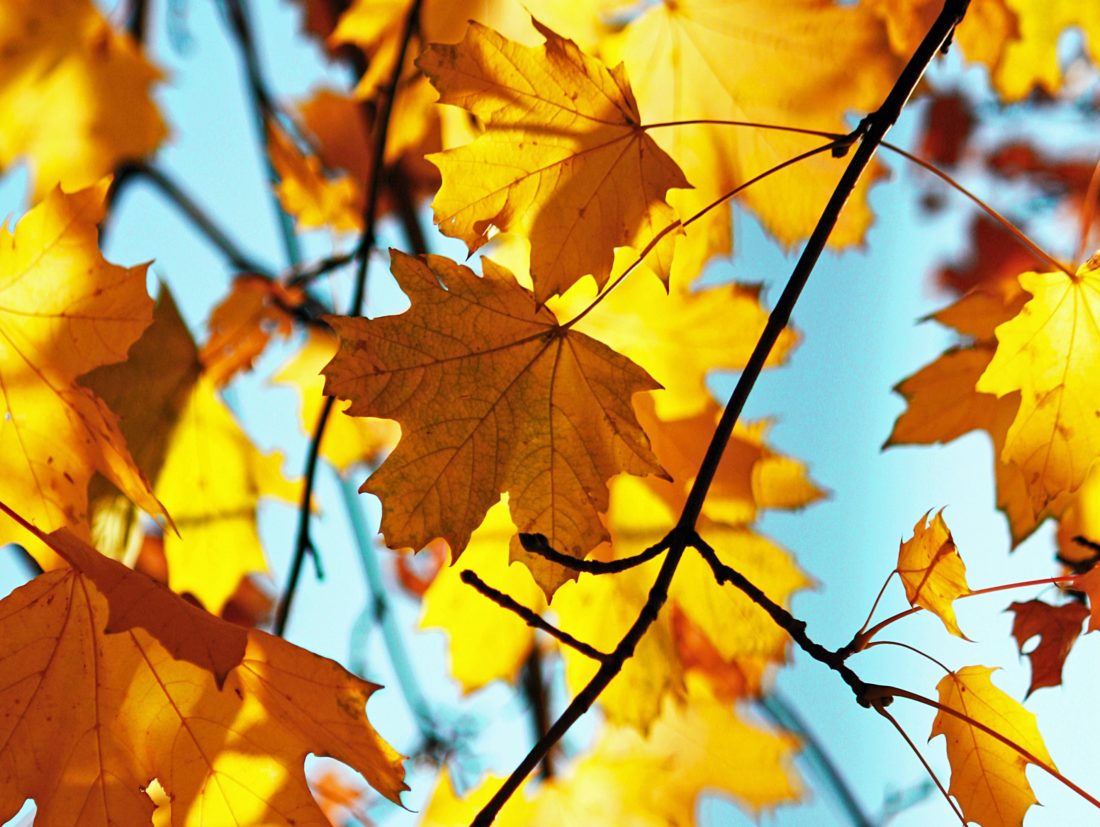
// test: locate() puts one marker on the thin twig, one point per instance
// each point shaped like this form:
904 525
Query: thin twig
784 714
1088 212
913 649
538 544
783 619
199 218
927 768
266 114
303 544
870 134
531 618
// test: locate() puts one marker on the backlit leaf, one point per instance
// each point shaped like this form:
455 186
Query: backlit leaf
492 395
987 775
1050 354
932 570
564 159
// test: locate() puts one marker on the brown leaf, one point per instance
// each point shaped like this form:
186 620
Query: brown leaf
1058 628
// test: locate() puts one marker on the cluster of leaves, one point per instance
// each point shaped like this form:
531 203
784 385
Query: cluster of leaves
551 410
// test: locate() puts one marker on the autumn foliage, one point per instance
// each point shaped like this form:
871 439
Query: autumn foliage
552 427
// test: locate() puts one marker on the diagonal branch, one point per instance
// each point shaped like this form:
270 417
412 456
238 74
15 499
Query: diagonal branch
531 618
870 134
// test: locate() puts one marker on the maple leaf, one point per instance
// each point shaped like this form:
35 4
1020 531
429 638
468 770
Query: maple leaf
987 776
932 570
1058 628
316 200
1032 60
74 94
564 159
1089 583
716 59
492 395
1050 354
347 439
134 684
64 310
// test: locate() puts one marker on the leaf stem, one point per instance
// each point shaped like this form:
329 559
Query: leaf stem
862 638
1008 742
683 224
1088 212
923 654
752 124
924 763
1015 231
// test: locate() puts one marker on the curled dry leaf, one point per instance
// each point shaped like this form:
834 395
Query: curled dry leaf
932 570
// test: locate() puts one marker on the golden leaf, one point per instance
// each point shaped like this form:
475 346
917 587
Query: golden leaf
932 570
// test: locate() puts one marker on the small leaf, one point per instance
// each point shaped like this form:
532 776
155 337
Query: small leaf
987 775
1058 628
932 570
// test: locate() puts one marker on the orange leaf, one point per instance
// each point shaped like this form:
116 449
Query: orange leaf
564 160
117 681
64 310
255 309
932 571
987 776
74 94
1050 353
1089 583
1058 627
492 395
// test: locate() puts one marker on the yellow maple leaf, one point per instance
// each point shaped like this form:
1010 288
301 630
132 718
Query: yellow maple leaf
1031 60
983 36
1050 354
737 64
932 570
987 776
133 683
347 439
74 94
492 395
64 311
212 480
564 159
486 643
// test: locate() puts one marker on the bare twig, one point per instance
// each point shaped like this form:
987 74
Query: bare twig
199 218
266 113
531 618
538 544
538 699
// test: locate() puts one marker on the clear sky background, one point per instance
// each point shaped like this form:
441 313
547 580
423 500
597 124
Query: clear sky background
859 319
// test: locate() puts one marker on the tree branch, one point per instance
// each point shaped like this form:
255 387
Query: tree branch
531 618
870 134
538 544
